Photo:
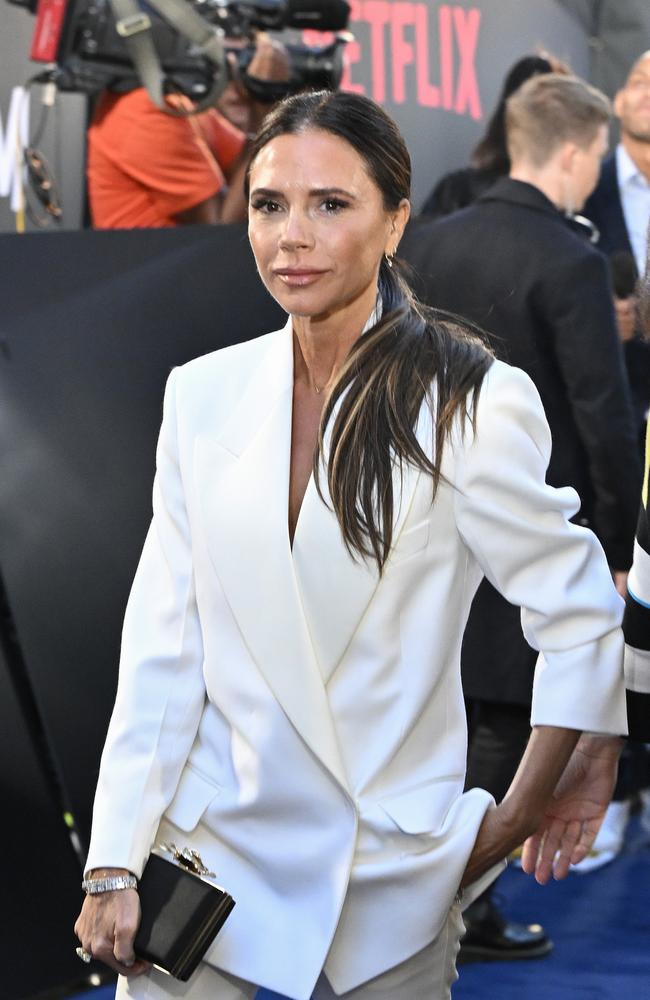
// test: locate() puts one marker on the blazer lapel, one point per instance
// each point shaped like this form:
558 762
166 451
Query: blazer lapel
244 491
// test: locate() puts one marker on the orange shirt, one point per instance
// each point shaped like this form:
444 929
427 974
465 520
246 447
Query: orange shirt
144 166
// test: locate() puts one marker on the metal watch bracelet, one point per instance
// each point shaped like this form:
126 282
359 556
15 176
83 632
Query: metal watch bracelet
93 886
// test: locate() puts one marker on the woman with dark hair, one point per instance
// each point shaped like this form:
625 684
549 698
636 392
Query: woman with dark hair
490 158
327 500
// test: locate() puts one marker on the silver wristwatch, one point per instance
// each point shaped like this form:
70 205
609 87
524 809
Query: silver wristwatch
92 886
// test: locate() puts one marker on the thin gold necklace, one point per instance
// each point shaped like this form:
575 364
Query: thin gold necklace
319 388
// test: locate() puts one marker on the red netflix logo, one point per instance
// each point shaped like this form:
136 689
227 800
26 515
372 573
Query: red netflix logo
399 36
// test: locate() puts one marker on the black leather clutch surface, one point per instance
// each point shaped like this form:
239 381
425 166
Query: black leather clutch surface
183 910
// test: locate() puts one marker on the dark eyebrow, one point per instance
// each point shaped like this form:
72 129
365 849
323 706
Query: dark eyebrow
324 192
315 192
267 192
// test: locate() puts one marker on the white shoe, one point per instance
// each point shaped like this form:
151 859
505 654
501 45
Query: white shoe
609 840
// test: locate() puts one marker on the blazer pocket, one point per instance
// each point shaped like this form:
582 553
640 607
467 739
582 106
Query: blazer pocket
410 541
422 809
193 796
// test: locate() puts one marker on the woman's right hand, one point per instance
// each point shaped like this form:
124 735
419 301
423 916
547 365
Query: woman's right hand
107 925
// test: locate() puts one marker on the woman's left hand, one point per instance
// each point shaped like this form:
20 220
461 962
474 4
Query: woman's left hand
555 804
576 810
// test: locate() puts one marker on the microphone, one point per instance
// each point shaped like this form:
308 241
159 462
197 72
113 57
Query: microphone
319 15
624 276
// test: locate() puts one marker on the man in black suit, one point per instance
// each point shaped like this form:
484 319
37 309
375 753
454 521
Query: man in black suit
620 204
516 265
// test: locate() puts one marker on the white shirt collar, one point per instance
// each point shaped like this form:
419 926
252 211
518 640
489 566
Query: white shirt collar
374 316
626 168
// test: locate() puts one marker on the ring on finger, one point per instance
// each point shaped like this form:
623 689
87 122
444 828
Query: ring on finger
84 955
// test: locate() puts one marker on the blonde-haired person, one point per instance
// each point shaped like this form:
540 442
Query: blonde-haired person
489 159
562 115
289 704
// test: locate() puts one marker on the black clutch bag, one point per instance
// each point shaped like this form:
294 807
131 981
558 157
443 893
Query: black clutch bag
183 910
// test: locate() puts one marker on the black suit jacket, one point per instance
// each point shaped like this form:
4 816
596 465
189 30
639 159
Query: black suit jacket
457 190
512 264
605 210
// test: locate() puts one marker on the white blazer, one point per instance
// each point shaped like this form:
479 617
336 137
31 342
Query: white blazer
300 721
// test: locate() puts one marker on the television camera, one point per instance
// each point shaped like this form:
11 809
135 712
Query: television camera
192 47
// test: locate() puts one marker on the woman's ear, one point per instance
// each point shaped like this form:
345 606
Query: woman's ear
399 218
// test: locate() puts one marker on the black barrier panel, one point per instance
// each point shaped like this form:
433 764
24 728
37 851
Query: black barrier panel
41 875
91 324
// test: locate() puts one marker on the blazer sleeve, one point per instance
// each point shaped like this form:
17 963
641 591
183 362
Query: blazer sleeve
636 622
519 531
161 691
578 307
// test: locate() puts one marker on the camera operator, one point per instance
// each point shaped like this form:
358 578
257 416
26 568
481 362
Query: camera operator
150 169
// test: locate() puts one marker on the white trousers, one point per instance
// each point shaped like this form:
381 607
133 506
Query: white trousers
427 975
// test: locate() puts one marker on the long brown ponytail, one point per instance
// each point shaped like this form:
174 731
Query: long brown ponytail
392 368
389 374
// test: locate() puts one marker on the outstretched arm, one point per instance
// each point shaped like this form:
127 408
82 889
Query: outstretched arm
517 528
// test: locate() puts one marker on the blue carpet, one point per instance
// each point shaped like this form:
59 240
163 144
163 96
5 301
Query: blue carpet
600 924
